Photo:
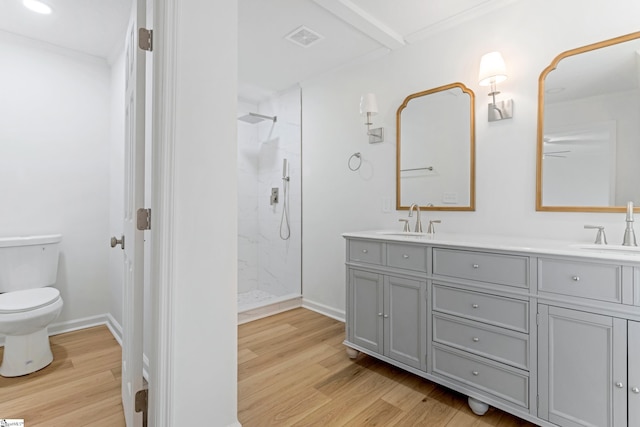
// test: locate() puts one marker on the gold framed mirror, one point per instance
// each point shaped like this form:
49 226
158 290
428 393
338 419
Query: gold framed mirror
435 149
588 142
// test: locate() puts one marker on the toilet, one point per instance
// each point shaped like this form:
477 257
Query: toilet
28 303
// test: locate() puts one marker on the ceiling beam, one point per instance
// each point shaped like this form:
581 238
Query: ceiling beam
364 22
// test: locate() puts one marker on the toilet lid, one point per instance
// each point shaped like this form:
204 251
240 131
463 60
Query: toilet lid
29 299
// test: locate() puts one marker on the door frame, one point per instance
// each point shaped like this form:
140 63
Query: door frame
167 405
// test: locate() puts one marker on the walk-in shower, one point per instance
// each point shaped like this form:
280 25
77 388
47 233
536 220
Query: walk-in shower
269 206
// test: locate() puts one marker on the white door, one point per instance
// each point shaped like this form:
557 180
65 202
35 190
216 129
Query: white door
133 200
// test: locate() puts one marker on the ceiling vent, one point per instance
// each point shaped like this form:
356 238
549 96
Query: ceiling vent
303 36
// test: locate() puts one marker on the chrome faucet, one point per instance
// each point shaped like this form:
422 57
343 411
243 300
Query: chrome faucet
601 237
629 234
418 228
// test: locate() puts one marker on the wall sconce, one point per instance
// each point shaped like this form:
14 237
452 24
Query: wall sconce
493 71
369 106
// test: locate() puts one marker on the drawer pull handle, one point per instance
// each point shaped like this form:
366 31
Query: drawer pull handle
475 373
476 339
405 256
636 390
475 305
619 385
364 251
576 278
476 266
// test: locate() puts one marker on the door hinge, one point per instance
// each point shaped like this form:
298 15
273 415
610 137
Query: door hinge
143 221
145 39
142 404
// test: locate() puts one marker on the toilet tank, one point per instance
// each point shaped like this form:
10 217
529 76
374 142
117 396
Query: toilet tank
28 262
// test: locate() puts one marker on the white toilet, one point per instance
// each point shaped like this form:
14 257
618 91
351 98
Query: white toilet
28 267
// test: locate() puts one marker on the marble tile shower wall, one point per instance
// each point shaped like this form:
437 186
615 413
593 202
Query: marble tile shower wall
248 148
278 267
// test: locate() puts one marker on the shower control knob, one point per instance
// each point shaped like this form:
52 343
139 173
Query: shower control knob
115 242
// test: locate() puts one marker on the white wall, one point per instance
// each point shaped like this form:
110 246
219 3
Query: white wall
54 162
529 33
204 236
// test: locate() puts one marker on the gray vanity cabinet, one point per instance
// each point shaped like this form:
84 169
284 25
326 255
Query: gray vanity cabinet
385 315
582 368
367 305
549 336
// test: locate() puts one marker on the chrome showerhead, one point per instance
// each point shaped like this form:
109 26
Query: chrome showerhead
254 118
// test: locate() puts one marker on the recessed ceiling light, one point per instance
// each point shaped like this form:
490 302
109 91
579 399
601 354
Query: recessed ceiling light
37 6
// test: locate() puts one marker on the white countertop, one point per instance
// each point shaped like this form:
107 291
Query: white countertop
507 243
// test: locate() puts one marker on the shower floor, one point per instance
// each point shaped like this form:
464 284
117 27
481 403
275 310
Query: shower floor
256 304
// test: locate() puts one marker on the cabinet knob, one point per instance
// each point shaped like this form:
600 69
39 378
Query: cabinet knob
476 266
619 385
386 316
475 305
475 339
379 314
636 390
405 256
576 278
475 373
364 251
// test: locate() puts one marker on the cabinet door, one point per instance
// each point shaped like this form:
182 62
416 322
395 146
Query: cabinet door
633 338
403 326
582 368
366 292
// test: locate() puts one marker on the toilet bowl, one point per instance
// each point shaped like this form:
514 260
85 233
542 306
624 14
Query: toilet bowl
28 304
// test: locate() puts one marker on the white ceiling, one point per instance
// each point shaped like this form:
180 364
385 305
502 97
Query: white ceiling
95 27
353 30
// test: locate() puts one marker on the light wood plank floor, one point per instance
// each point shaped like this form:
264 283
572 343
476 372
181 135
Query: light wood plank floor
81 387
293 371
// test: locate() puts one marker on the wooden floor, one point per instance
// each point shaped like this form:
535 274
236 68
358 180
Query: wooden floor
81 387
293 371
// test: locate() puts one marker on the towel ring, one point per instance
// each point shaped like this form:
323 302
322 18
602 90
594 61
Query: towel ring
357 156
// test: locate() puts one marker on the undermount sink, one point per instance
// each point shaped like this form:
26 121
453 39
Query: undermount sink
631 250
405 234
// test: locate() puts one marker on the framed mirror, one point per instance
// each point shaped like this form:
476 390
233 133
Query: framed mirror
435 149
588 151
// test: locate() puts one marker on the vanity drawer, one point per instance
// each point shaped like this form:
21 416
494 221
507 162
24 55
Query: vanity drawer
500 381
507 270
495 343
365 251
601 282
408 257
500 311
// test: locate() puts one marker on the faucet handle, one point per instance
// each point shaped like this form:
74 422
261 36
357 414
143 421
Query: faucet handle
405 227
601 238
432 229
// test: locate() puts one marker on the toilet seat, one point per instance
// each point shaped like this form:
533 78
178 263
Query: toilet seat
27 300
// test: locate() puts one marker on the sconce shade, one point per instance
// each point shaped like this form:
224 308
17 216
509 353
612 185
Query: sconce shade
492 69
368 104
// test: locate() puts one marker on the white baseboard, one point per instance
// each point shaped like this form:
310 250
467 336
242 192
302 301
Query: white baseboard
73 325
324 309
89 322
115 328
